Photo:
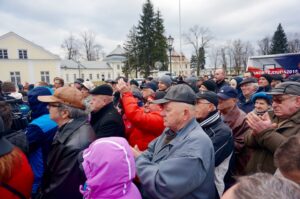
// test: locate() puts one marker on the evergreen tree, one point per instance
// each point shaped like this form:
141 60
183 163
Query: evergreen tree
193 61
279 41
160 46
146 42
131 52
201 60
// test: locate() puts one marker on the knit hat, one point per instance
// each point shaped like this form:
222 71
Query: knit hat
134 82
268 77
166 80
210 85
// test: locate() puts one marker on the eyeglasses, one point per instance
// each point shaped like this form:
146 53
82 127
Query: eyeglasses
279 99
53 105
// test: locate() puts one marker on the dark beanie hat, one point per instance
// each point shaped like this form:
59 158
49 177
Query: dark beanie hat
104 89
210 85
134 82
268 77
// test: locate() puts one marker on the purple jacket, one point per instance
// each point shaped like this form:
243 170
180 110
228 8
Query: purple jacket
109 167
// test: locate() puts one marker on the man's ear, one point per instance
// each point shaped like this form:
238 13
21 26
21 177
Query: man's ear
298 101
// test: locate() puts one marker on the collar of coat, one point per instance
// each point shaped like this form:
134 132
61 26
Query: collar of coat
210 119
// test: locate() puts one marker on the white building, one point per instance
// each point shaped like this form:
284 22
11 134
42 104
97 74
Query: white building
108 68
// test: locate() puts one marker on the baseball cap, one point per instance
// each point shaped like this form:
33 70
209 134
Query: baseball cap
178 93
248 80
210 96
66 95
150 85
227 92
286 88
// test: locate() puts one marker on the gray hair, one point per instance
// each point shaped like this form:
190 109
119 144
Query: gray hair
266 186
74 113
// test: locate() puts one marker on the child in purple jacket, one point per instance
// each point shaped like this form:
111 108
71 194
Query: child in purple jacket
109 167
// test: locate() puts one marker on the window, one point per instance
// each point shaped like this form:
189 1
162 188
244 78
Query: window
82 76
3 54
91 76
103 77
118 67
108 76
45 76
23 54
15 77
67 77
98 76
74 76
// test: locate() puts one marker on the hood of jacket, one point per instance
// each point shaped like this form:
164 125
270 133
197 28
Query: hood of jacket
109 167
37 107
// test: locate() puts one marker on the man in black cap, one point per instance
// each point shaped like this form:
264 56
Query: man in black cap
180 162
78 83
276 79
249 87
220 134
264 82
105 119
148 89
272 129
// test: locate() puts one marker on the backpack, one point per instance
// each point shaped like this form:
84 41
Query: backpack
20 112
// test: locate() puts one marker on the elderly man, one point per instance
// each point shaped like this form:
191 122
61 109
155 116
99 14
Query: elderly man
210 120
235 118
272 129
220 75
249 87
105 119
180 162
62 175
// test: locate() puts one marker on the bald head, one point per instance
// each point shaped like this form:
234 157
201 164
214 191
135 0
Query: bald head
219 75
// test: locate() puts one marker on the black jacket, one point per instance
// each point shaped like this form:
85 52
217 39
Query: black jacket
63 176
108 122
221 84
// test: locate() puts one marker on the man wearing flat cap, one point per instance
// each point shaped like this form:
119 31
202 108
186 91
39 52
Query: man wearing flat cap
273 128
221 135
62 175
180 162
249 87
105 119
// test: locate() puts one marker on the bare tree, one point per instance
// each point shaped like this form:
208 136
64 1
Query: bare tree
214 56
294 43
223 57
264 46
71 46
199 38
237 52
91 49
248 51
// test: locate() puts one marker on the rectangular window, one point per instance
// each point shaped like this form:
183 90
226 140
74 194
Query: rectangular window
98 76
74 76
91 76
108 76
15 77
45 77
23 54
82 76
3 54
118 67
67 77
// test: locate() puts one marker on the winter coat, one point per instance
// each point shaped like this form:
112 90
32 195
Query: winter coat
21 180
266 142
144 127
221 84
109 167
107 122
62 175
182 168
222 139
236 120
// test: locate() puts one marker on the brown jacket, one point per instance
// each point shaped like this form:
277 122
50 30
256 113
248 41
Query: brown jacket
236 120
265 143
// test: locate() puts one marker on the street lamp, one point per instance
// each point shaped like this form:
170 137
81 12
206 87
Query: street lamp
170 46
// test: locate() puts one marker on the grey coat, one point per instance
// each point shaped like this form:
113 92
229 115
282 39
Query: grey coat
183 168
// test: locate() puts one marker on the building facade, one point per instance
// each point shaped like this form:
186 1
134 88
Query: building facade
180 64
23 61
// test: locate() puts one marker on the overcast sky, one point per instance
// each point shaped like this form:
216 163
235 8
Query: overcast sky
48 22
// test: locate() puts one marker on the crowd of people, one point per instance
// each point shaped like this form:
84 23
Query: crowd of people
165 138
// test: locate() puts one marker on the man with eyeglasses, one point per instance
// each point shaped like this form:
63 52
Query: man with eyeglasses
221 136
62 175
272 129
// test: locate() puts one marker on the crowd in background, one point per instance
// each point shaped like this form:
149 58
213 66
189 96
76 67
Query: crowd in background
185 137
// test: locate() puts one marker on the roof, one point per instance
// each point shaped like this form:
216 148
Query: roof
85 64
118 51
274 55
29 42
